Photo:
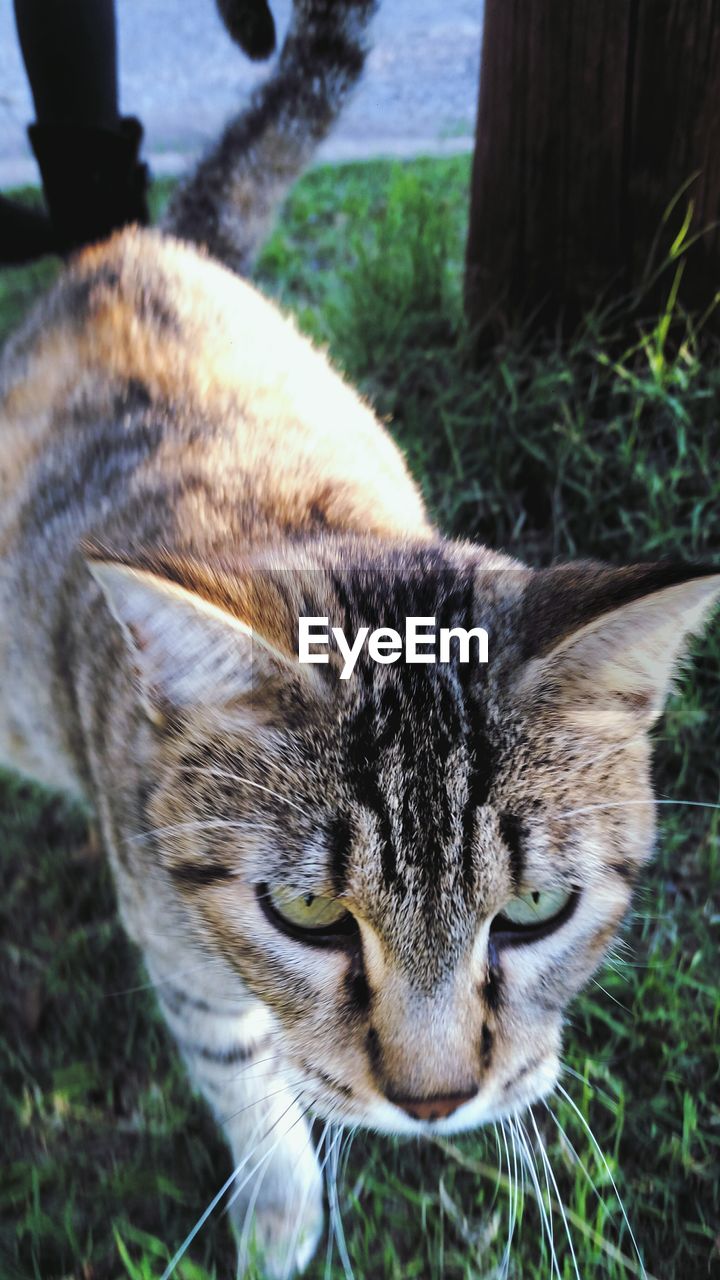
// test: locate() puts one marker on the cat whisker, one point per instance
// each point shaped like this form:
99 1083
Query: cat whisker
621 965
201 825
500 1163
546 1217
521 1164
244 1233
576 1157
175 828
158 982
633 804
329 1254
511 1205
281 1077
255 1102
179 1255
577 1074
512 1184
292 1247
601 1155
549 1172
628 1263
501 1166
345 1155
614 963
335 1215
228 776
620 943
295 1101
610 996
331 1231
271 1058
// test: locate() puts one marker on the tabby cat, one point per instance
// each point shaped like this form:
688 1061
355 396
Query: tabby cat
364 900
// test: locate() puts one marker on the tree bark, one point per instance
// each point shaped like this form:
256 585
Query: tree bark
593 116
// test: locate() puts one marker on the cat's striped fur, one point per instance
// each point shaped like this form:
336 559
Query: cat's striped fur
181 476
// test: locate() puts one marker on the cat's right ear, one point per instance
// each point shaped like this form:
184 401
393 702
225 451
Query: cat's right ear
603 645
186 650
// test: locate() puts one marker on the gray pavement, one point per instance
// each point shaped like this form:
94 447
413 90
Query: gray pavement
180 73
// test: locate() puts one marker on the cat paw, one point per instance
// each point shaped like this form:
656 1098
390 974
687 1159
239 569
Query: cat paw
280 1240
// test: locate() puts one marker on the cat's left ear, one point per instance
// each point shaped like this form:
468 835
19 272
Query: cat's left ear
187 651
603 644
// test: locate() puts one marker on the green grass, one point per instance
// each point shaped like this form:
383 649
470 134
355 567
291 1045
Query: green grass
107 1158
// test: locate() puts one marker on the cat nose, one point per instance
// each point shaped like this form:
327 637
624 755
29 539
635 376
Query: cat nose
436 1107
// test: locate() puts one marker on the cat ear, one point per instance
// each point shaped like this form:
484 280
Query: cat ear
607 642
187 651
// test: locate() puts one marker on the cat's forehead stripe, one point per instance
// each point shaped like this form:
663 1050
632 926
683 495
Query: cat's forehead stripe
417 765
513 833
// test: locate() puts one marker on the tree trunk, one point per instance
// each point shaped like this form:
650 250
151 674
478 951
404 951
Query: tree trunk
593 115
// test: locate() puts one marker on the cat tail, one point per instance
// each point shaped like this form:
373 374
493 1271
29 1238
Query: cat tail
229 202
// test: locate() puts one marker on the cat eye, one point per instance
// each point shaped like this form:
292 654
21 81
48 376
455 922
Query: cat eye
532 915
309 917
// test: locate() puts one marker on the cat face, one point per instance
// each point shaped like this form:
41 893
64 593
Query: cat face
416 869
